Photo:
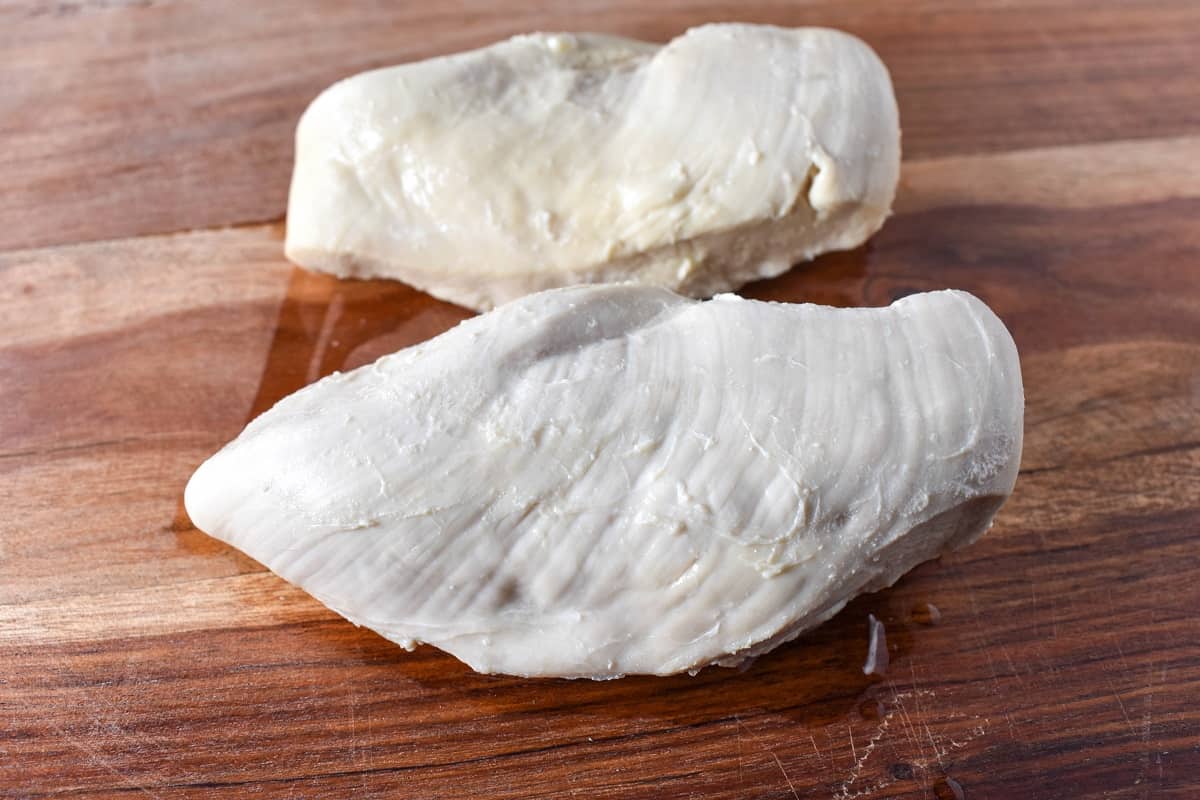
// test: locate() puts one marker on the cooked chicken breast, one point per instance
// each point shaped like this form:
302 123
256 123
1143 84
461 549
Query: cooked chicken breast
549 160
607 480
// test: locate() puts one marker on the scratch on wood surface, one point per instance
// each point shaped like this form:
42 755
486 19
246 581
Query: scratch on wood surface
97 698
1012 665
843 792
1117 642
1033 596
738 722
982 642
357 755
937 753
95 758
817 750
1053 617
833 748
1121 704
942 745
785 775
984 645
909 730
737 729
1147 723
1012 728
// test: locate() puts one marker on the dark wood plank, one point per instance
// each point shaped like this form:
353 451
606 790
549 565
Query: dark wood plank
123 119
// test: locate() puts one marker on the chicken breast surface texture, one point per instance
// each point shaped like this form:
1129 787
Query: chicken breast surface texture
606 480
551 160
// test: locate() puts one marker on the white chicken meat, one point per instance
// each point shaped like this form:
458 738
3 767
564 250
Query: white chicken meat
550 160
608 480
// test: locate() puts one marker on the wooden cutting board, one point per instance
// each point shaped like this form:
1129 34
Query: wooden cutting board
146 313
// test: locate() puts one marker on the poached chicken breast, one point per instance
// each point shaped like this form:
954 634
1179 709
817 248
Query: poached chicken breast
549 160
607 480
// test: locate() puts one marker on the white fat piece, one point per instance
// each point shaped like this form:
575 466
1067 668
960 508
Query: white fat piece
608 480
550 160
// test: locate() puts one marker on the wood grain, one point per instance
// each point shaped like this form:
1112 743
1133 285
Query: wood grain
1055 175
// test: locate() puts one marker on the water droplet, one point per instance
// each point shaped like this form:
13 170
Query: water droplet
949 789
871 709
877 652
746 663
926 614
